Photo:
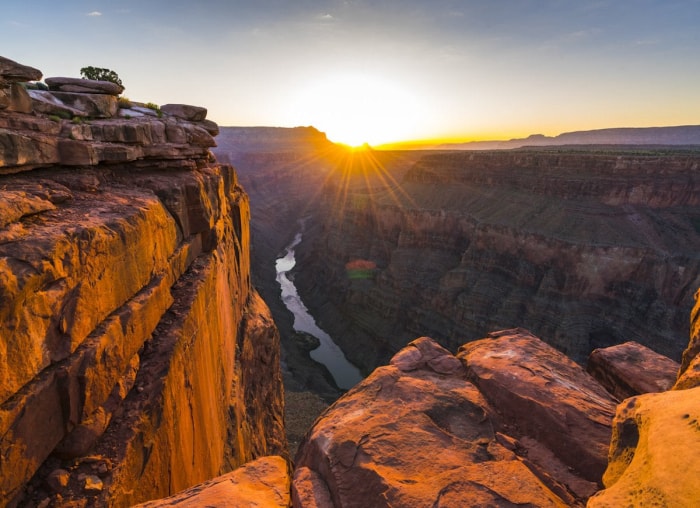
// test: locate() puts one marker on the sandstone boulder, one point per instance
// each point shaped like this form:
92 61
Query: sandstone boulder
78 85
414 433
95 105
631 369
184 111
544 395
263 482
653 455
47 103
13 71
19 100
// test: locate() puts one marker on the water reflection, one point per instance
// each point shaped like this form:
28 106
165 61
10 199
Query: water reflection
345 374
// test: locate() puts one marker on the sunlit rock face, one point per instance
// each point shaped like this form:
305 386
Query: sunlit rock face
132 343
532 428
586 250
263 482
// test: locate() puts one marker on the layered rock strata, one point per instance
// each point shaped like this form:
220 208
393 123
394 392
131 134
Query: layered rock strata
132 341
587 250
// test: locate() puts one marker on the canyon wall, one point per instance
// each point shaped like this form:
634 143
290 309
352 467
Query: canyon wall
132 342
586 250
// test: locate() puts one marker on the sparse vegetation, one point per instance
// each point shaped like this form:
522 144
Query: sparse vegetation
35 85
124 102
155 107
54 118
100 74
77 120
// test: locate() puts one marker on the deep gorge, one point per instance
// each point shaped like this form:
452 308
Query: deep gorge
141 365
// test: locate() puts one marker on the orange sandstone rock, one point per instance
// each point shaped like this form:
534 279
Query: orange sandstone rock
653 455
544 395
631 369
263 482
414 433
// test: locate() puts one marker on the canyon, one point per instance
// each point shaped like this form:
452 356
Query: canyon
139 363
586 250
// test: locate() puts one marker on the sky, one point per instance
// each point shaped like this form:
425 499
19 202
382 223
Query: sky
383 71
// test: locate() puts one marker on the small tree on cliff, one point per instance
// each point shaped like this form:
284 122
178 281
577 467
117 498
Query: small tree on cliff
100 74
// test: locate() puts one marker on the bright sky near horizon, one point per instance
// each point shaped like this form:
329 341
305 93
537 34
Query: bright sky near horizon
383 70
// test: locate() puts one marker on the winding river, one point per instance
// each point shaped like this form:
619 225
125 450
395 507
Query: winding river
345 374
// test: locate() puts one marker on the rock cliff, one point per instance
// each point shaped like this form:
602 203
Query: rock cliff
507 421
586 250
132 343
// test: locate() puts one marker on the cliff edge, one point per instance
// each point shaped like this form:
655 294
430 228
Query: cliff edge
131 338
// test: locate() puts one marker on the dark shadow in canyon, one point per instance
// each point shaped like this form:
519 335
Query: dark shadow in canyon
584 246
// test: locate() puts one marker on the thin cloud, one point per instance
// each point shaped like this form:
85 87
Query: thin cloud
94 14
325 17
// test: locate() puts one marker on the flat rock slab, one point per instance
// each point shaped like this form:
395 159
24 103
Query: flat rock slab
414 433
262 482
184 111
544 395
78 85
13 71
632 369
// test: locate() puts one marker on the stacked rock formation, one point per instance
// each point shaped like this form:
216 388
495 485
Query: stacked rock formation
117 131
131 339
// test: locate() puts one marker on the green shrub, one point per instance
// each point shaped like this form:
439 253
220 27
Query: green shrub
100 74
54 118
124 102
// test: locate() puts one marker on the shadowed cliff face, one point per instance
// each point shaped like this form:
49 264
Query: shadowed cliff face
585 250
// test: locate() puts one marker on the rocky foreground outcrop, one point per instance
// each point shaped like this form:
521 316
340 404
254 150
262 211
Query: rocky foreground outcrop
132 343
508 421
656 441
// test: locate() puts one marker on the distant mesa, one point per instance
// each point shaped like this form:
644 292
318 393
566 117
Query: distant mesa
653 136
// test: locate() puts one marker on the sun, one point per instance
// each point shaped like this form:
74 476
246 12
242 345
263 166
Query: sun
355 109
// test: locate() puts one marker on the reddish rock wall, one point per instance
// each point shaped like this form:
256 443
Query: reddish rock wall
131 340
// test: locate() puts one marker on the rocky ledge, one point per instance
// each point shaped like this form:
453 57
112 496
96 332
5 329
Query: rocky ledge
80 122
131 339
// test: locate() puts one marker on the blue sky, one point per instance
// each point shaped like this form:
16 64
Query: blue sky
389 70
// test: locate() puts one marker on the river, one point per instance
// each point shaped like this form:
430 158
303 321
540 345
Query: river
345 374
